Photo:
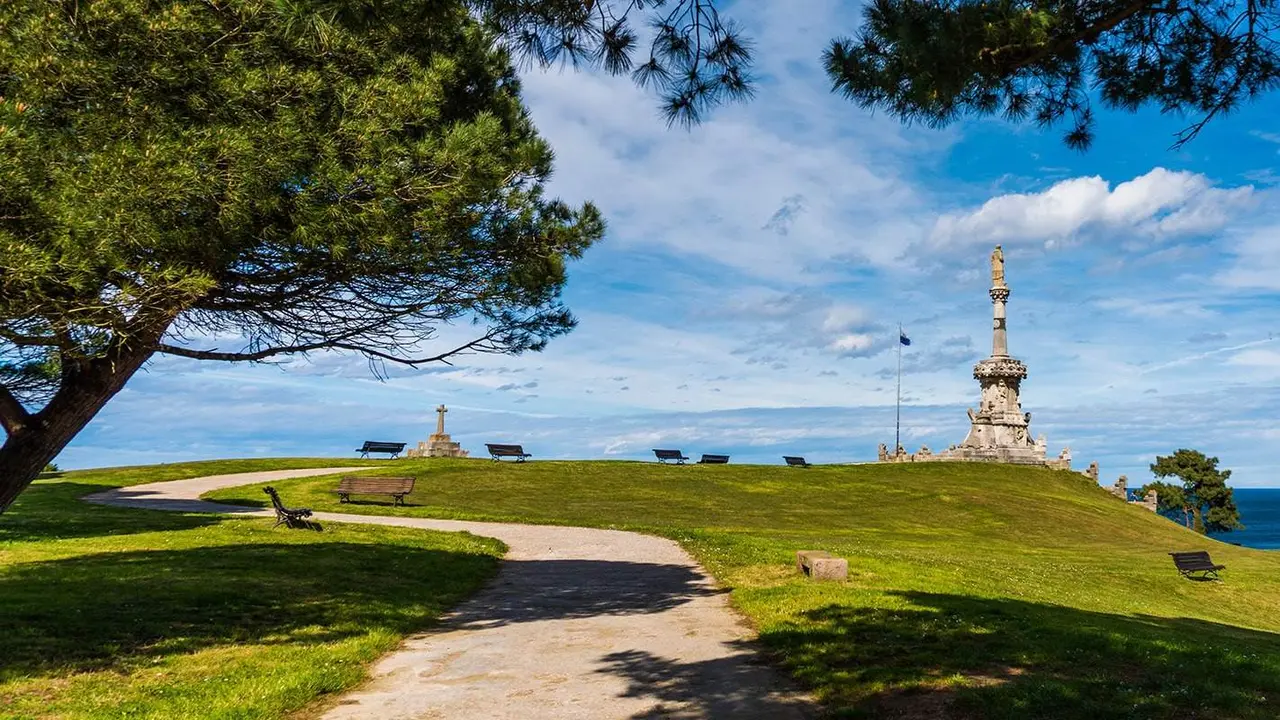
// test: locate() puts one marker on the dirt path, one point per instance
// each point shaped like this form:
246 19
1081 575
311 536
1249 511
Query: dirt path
579 624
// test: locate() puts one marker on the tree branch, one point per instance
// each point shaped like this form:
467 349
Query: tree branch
13 416
238 357
1057 45
1251 46
27 340
265 353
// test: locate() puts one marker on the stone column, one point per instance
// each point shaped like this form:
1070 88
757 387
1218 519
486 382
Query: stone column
1000 338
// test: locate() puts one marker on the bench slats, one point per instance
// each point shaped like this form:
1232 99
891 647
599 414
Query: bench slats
1196 561
713 459
289 517
665 455
497 450
397 487
380 447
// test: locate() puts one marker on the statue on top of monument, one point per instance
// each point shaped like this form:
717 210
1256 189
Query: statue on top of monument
997 267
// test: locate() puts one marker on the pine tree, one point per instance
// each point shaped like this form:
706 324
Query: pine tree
322 175
1203 496
934 61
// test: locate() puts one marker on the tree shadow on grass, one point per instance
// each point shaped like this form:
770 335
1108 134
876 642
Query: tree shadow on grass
959 657
116 610
48 511
738 686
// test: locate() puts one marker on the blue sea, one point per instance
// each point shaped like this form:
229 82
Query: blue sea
1260 513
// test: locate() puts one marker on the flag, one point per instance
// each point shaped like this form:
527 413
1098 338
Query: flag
902 338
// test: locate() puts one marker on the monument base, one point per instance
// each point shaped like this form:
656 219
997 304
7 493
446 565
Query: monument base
1032 455
438 445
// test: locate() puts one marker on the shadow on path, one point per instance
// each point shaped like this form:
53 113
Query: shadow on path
531 590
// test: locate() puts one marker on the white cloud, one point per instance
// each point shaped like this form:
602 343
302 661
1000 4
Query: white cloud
777 189
853 344
1257 259
1160 203
1257 358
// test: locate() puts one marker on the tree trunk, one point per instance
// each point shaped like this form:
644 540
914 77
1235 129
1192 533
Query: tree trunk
1199 516
83 393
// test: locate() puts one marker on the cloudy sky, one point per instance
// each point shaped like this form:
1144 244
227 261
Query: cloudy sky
747 297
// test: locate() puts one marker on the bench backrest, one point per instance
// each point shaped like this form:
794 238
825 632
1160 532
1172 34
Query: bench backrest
496 449
391 485
794 460
668 454
1197 557
375 446
275 498
714 458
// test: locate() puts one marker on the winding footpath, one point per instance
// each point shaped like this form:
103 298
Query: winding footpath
578 624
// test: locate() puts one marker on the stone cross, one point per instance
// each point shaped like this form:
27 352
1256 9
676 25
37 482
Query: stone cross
440 421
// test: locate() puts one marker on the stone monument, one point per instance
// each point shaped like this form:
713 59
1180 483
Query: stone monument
999 430
439 444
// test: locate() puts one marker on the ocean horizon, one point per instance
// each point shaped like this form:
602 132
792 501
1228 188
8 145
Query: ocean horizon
1260 513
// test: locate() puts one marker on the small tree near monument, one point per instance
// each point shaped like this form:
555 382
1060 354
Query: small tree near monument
1202 496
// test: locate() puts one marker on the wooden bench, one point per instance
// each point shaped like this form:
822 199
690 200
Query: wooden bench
1196 561
795 461
713 459
819 565
665 455
396 487
290 517
500 451
380 447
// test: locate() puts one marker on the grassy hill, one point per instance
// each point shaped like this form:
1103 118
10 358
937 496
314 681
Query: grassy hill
975 591
112 613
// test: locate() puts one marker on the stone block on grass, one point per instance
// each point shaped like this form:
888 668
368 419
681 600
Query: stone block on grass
820 565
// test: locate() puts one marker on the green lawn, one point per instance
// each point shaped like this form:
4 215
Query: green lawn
119 613
976 591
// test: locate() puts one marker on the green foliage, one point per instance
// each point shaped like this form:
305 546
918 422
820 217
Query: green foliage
52 468
694 59
937 60
340 174
169 615
1204 497
1170 499
976 590
283 176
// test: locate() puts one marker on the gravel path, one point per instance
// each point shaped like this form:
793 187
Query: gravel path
579 624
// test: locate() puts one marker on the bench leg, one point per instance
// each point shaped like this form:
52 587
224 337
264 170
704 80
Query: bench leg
399 500
343 497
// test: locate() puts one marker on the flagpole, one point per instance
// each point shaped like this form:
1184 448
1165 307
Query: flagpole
897 419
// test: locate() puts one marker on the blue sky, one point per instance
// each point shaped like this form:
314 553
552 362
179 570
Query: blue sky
747 297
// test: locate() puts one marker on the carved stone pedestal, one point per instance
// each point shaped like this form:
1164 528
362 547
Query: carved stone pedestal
999 431
438 444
